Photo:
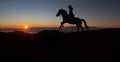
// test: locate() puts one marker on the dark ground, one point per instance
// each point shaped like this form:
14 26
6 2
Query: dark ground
87 46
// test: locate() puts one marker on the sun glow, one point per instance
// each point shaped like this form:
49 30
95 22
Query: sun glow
26 27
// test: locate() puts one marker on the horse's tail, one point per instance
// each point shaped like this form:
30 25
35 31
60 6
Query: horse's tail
86 26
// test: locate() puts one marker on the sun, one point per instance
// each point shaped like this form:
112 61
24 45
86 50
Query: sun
26 27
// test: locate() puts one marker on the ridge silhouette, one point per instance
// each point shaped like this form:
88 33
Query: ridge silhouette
90 45
71 19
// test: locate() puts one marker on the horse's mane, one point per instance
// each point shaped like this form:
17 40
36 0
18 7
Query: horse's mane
62 10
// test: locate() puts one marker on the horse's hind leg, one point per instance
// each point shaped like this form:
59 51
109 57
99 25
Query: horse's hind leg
61 25
77 27
81 27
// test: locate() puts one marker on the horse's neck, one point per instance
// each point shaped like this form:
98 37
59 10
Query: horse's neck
65 16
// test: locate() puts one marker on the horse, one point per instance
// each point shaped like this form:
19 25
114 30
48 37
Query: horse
67 19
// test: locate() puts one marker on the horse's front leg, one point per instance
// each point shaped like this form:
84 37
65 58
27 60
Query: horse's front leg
62 23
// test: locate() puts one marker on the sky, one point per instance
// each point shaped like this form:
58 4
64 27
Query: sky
42 13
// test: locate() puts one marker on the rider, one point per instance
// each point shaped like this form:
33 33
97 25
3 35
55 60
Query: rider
71 15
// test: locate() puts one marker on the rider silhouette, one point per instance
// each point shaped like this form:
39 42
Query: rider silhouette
71 15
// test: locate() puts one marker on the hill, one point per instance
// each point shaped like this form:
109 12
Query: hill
92 44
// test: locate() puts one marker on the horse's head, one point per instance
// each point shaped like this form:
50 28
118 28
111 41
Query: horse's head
61 12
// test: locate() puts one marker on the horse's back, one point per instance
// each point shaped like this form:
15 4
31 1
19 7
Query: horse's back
74 21
76 18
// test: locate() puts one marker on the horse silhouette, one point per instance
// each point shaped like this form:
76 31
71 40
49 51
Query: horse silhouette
67 19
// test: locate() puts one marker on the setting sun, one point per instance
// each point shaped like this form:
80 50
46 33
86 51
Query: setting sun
26 26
